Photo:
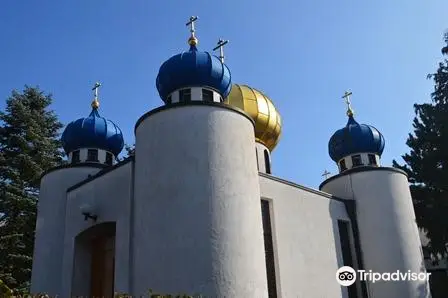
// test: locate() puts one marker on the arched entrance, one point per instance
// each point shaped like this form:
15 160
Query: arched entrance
94 263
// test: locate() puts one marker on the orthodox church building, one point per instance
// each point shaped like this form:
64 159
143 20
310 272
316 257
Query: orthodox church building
197 209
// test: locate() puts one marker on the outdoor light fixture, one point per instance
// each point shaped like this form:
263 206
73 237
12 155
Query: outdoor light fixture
88 212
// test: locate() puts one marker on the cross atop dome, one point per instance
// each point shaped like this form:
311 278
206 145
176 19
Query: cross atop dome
189 75
355 144
346 96
95 102
95 134
220 45
192 41
326 174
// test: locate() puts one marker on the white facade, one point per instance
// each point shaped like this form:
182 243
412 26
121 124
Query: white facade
50 225
388 230
306 238
185 215
109 195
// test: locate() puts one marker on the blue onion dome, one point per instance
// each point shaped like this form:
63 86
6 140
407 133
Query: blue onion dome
193 68
355 138
94 132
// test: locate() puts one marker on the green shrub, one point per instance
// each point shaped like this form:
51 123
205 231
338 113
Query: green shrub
4 290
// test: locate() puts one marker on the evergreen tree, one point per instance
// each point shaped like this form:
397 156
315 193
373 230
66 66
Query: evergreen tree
29 145
427 162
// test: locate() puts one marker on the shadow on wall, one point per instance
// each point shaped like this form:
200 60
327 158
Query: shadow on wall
347 244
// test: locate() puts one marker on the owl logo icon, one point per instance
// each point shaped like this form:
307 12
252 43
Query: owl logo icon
346 276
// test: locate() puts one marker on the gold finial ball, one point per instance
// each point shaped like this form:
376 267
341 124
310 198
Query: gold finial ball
95 104
192 41
350 112
268 122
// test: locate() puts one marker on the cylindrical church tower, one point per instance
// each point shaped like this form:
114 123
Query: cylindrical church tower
385 216
197 225
88 142
268 122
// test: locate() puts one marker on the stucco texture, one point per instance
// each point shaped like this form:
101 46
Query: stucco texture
50 227
197 218
306 239
388 231
109 195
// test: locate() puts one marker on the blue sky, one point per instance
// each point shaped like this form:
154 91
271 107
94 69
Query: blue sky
302 54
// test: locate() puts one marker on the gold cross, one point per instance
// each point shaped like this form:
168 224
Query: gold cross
220 45
346 96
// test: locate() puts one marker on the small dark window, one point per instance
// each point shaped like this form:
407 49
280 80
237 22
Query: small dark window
75 156
347 257
356 160
268 248
372 159
185 95
267 162
342 165
256 156
426 253
168 100
109 158
92 155
207 95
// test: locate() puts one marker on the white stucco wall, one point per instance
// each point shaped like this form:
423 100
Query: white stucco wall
388 231
197 219
48 246
306 239
110 195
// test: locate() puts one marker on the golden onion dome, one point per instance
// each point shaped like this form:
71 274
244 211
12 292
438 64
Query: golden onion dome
268 123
